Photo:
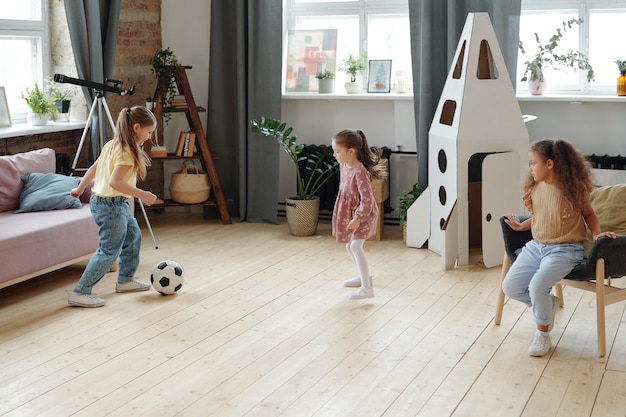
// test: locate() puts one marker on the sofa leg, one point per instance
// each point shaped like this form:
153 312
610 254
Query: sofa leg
506 265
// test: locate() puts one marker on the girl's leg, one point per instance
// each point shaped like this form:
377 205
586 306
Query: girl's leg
517 280
356 248
129 257
111 220
557 261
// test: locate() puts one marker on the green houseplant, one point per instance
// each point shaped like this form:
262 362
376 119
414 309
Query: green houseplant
61 96
326 81
164 64
621 79
405 201
41 106
320 170
353 65
548 57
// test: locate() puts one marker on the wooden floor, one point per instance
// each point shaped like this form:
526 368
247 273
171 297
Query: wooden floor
262 327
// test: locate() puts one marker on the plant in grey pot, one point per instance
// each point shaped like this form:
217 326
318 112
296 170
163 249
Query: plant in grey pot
303 208
62 98
353 65
548 57
40 105
326 81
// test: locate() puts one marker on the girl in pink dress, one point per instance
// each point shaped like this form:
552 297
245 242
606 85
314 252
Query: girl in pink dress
355 216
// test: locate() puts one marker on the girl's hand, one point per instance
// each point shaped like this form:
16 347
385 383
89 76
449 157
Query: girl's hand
354 224
75 193
611 235
148 198
513 221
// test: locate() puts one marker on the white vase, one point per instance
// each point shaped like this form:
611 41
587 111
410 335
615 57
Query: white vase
35 119
352 87
536 87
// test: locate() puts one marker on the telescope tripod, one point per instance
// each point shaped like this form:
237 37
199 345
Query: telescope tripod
100 104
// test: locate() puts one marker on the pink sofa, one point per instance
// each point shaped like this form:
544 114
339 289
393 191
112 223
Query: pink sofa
34 243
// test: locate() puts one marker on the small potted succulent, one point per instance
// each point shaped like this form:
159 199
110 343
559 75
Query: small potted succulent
326 81
621 80
353 65
41 106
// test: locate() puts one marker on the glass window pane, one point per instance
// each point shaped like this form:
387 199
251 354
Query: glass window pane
16 55
27 10
389 37
602 45
545 25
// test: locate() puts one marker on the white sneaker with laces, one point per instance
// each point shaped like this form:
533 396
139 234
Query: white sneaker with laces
85 300
362 293
355 282
540 346
131 286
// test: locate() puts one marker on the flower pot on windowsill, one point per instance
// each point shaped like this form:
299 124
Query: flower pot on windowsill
63 106
37 119
326 86
536 87
352 87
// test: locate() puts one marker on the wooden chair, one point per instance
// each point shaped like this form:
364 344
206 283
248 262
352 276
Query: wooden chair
606 260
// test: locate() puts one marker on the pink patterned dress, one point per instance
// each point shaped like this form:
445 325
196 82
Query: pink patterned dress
355 200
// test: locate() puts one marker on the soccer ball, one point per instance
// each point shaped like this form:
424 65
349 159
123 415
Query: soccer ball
167 277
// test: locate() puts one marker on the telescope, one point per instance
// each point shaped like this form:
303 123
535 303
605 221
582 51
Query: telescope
110 86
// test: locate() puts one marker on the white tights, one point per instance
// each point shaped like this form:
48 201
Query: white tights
355 249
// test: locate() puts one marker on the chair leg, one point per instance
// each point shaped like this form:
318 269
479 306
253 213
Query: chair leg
558 288
506 265
600 307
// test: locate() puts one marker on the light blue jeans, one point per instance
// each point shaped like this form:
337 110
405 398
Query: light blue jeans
535 271
119 237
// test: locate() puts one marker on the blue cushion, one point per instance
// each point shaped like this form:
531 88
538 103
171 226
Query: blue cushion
44 192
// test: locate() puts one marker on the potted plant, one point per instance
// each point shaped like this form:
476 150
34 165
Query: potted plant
61 96
40 105
149 103
353 65
326 81
405 201
621 80
164 64
302 209
547 57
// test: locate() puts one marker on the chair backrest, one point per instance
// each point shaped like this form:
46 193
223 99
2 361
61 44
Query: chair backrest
514 240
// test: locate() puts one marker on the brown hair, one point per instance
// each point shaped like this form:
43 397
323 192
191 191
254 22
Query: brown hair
369 157
571 168
128 117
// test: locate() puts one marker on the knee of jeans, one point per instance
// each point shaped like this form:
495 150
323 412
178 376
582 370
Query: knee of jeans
511 290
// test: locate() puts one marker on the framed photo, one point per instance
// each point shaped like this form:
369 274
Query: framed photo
5 116
309 52
379 76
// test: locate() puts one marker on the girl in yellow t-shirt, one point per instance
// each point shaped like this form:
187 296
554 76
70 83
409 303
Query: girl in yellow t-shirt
114 174
557 195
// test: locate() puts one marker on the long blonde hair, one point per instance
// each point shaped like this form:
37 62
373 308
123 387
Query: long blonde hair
128 117
371 158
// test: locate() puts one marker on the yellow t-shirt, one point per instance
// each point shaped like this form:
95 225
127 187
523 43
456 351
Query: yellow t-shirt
554 221
112 155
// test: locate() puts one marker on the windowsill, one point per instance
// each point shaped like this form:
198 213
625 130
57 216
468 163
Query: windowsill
573 98
24 129
338 97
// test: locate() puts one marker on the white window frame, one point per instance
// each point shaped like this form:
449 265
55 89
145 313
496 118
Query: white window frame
583 7
38 32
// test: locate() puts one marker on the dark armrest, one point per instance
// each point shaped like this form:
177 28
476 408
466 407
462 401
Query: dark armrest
613 251
514 240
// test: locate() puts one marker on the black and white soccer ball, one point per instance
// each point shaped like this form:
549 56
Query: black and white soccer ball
167 277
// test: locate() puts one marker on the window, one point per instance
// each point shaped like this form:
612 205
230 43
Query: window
376 28
597 37
23 50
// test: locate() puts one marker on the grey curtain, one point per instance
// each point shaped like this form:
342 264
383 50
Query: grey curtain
436 26
244 84
93 32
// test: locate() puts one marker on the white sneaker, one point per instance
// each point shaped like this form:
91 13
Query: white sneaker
540 346
362 293
555 306
355 282
131 286
85 300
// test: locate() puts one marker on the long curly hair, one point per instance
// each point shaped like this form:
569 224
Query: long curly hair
125 136
571 168
371 158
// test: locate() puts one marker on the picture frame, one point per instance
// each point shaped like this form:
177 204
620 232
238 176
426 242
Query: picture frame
379 76
5 115
309 52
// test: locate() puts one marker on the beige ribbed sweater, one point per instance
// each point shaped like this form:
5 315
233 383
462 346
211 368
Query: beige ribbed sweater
553 220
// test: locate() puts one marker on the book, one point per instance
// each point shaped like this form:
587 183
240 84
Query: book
192 143
186 144
181 142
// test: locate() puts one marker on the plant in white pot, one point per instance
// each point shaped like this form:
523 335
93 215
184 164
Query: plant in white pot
303 208
40 105
353 65
548 57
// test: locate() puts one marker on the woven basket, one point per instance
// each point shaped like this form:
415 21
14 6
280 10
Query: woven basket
302 216
190 186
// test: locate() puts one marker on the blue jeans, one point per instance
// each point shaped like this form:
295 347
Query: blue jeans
119 237
536 270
